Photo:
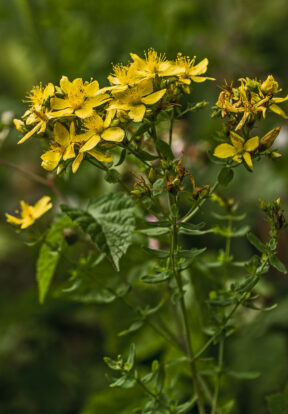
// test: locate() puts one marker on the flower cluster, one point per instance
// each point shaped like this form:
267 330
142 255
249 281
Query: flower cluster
79 119
243 105
240 150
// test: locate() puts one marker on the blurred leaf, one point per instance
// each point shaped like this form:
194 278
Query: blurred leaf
278 403
256 242
275 262
156 278
49 255
225 176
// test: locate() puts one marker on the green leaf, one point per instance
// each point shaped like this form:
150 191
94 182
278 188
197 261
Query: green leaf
130 360
132 328
243 375
157 278
154 232
245 285
109 222
121 158
228 217
189 254
159 187
145 156
278 403
257 243
193 229
112 176
183 408
226 232
161 254
275 262
225 176
164 149
227 407
49 255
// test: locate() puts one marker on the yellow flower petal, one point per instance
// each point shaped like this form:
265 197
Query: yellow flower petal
85 111
200 68
137 113
48 91
64 112
91 143
270 137
92 88
61 134
16 221
69 152
236 140
65 84
252 144
153 97
30 133
278 111
42 206
248 160
279 100
200 79
109 117
224 151
83 137
77 162
58 103
100 156
115 134
50 159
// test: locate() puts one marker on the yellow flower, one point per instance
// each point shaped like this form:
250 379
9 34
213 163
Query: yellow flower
239 149
154 65
191 71
61 148
80 98
133 100
269 85
98 130
29 214
38 113
122 77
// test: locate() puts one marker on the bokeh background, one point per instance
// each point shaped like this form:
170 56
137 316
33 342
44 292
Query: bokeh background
51 355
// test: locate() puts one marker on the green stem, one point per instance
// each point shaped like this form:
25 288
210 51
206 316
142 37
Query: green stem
177 276
218 376
171 127
199 204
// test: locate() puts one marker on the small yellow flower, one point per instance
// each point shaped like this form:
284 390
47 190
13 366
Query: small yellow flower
134 100
122 77
29 214
80 98
239 150
61 148
38 113
191 71
98 130
269 85
154 65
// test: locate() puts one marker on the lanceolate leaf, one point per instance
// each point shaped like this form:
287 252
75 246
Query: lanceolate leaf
109 221
49 255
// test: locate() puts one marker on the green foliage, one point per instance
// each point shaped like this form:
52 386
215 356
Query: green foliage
109 221
50 253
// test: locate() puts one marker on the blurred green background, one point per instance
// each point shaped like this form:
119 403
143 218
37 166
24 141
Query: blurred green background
51 355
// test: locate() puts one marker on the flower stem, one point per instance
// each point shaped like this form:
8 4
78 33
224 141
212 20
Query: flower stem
177 276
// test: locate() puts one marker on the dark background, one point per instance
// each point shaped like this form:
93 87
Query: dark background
51 354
